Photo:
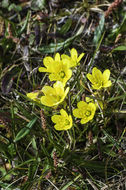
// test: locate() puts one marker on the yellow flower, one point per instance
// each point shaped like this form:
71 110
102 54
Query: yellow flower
74 59
63 121
58 69
84 111
35 96
97 104
54 95
98 79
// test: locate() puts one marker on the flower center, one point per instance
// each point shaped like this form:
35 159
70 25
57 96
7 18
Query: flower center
88 113
55 98
62 74
67 122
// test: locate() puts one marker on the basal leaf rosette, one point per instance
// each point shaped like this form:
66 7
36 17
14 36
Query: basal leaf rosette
84 111
58 69
54 95
73 60
98 79
62 121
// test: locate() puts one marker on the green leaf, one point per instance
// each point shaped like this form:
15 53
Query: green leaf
51 48
111 139
32 171
71 182
99 30
23 132
122 27
7 79
24 25
120 48
65 28
117 98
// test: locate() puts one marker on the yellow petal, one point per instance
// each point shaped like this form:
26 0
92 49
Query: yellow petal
82 105
62 127
66 91
42 69
84 120
59 88
97 74
106 74
73 53
48 90
80 57
47 61
63 113
64 95
65 57
70 119
97 86
32 95
55 118
76 113
90 78
53 77
107 84
67 127
58 127
69 73
57 57
89 99
92 107
47 101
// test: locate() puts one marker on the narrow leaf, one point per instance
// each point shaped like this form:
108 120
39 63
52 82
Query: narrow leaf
65 28
24 131
120 48
7 80
99 30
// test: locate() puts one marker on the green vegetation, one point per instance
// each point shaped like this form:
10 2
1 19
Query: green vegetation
62 95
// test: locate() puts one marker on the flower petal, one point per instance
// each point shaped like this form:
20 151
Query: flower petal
106 75
59 88
53 77
42 69
47 101
84 120
90 78
66 91
47 61
58 127
55 118
97 74
63 113
80 57
82 105
76 113
32 95
107 84
65 57
73 53
47 90
57 57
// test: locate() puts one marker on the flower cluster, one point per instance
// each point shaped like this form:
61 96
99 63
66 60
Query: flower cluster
59 69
